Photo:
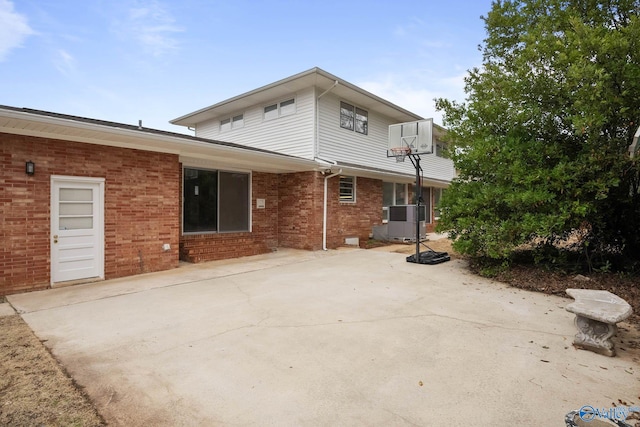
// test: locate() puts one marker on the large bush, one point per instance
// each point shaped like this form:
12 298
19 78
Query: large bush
540 143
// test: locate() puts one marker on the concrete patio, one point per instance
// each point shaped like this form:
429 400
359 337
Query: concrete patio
346 337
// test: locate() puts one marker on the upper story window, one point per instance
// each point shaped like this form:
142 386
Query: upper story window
234 122
279 109
441 148
347 188
354 118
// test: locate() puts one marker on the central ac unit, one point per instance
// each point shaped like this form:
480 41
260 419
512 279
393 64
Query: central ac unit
402 223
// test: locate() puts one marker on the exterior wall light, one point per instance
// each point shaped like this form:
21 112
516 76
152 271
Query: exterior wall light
30 168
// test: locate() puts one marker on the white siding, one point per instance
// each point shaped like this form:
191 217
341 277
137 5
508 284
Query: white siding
291 134
343 145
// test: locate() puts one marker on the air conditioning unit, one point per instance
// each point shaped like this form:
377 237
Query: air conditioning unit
402 223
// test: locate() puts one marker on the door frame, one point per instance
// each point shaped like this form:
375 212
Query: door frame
99 222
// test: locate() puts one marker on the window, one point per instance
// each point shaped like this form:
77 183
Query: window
354 118
271 112
441 148
392 194
346 116
287 107
280 109
426 200
362 121
347 189
234 122
437 195
215 201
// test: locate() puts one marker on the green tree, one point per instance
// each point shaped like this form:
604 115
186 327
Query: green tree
540 144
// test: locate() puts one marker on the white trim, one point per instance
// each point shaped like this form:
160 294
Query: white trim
203 165
99 228
354 178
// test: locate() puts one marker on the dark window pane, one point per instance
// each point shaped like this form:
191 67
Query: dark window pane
362 121
347 189
287 102
234 201
400 194
346 116
200 189
387 193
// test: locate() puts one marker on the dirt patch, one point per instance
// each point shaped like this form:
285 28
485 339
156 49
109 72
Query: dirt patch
554 283
34 390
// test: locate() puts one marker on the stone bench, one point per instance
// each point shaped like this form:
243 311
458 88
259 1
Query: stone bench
597 313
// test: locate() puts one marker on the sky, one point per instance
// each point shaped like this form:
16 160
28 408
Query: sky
156 60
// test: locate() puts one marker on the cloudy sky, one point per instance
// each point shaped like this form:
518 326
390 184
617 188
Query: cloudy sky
156 60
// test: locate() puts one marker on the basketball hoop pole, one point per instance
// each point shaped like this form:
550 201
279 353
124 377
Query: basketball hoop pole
410 140
415 159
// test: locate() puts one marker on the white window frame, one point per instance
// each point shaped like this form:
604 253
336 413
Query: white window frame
385 209
343 183
352 119
235 121
219 205
440 148
285 107
437 196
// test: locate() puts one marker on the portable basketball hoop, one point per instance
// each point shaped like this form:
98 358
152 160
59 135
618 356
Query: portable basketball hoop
400 153
413 139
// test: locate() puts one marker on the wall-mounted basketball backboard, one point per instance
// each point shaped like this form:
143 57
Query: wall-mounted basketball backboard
410 138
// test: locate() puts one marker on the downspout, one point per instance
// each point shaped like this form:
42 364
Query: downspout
324 217
315 156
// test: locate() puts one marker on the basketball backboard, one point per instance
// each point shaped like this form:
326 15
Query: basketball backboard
410 138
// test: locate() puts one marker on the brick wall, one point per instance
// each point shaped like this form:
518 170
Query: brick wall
141 207
301 198
262 239
354 219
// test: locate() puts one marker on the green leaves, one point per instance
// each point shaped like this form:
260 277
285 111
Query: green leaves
541 141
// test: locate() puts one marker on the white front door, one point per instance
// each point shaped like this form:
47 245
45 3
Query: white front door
77 228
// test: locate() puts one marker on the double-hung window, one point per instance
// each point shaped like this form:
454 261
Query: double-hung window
347 188
215 201
354 118
279 109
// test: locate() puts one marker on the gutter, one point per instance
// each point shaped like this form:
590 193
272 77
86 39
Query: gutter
324 216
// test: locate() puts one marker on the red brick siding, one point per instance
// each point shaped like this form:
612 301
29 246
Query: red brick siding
354 219
301 198
262 239
141 207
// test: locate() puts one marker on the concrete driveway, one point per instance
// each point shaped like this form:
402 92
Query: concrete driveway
348 337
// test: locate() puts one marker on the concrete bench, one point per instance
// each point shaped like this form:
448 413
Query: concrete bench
597 313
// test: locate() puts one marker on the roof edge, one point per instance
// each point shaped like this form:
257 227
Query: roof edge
184 120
